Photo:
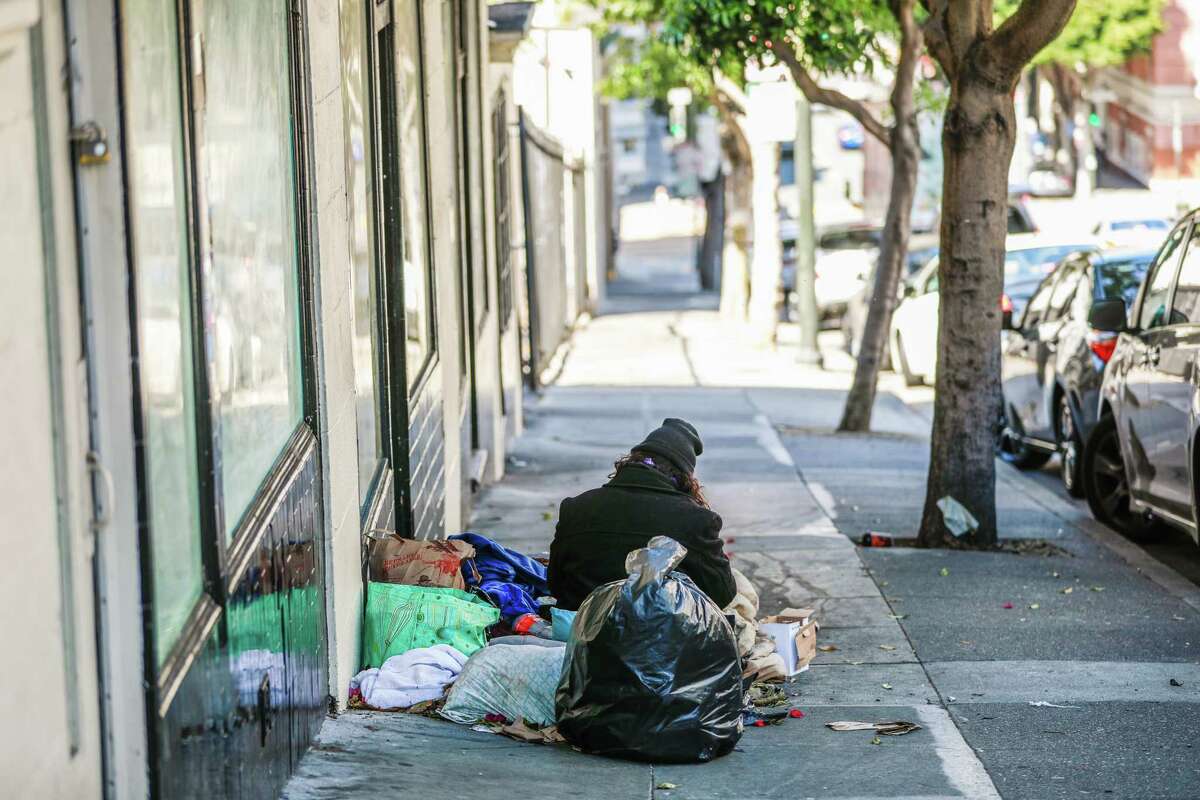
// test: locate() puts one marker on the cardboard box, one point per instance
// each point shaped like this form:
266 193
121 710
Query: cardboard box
795 634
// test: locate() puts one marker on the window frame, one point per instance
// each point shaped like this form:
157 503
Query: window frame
1191 242
1186 225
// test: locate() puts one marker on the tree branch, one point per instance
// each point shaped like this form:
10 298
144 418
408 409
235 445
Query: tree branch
936 39
831 97
1031 27
729 116
732 92
906 64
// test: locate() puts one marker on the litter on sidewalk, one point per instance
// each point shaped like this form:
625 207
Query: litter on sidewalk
958 520
795 633
892 728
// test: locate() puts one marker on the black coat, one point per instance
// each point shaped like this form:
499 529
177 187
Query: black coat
597 529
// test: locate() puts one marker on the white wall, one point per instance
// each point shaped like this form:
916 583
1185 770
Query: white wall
49 730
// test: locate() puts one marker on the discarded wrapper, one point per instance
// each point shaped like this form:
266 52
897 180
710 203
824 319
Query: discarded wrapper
958 519
893 728
795 633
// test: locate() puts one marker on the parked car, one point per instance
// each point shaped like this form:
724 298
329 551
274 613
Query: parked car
1131 231
913 336
1140 464
1052 360
1049 180
843 257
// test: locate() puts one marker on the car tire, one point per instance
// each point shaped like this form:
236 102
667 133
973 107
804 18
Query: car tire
1070 449
1106 487
1012 449
901 361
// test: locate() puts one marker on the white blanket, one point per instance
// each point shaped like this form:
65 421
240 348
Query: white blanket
410 678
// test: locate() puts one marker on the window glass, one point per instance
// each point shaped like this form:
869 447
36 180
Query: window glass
1064 290
250 191
418 288
1122 278
164 326
1033 262
1140 225
1036 310
1153 312
364 325
1185 307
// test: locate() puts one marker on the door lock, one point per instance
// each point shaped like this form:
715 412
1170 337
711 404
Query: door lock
90 145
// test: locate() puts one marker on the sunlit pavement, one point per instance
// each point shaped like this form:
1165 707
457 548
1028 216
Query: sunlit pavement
960 643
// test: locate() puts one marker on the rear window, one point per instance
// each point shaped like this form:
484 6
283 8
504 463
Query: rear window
1018 222
859 239
1140 225
1034 262
1121 278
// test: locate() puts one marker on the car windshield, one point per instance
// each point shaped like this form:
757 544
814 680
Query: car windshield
855 239
1121 278
1034 262
1140 225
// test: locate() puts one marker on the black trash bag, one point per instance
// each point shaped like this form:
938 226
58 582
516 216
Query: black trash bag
652 669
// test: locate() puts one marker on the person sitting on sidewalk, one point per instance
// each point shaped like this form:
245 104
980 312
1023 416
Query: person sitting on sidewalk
652 492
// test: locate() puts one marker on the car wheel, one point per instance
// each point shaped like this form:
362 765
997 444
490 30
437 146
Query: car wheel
1070 449
1013 449
902 362
1106 487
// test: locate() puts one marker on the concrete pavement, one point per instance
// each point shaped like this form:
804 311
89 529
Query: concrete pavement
793 494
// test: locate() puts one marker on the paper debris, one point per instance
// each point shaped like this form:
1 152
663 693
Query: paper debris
1068 590
666 785
827 648
1047 704
887 647
892 728
958 520
887 686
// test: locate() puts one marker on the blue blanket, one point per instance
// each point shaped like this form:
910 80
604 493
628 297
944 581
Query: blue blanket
512 580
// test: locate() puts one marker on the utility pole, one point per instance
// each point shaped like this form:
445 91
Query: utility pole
805 237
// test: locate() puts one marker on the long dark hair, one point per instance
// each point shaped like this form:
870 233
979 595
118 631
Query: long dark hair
683 481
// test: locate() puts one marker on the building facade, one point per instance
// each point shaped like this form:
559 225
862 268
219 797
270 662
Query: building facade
1151 124
266 295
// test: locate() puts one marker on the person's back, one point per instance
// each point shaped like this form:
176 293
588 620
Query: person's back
652 492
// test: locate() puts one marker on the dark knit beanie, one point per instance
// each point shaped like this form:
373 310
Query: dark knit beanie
676 441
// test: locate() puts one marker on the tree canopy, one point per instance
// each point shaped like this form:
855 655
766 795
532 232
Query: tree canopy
1100 33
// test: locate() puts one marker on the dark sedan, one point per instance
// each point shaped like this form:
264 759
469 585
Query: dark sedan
1053 361
1140 466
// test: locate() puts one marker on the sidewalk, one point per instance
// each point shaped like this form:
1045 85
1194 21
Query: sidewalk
792 494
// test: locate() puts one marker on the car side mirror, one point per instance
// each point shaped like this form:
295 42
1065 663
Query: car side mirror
1006 321
1108 316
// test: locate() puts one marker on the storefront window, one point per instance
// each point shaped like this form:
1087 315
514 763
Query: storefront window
418 308
250 193
355 94
164 326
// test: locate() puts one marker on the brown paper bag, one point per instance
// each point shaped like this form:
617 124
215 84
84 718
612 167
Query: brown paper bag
394 559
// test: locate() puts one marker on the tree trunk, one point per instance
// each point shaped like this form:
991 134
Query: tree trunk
735 270
712 243
893 251
905 147
767 262
1065 91
977 146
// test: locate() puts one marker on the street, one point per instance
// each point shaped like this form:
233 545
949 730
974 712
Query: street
964 644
